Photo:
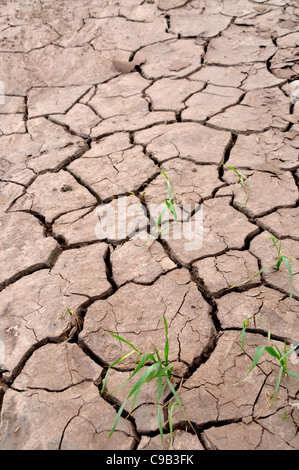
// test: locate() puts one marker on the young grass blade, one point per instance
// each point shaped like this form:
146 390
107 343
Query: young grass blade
288 352
292 373
147 375
111 365
157 353
143 360
125 341
245 323
170 422
166 349
277 385
178 400
252 277
160 389
258 354
286 261
117 418
157 224
241 179
272 352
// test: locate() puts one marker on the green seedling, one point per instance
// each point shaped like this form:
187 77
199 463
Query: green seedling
283 259
280 259
243 180
73 315
154 368
284 416
274 352
169 204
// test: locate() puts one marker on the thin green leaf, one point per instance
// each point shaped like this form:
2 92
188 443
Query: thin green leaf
143 378
166 349
289 352
160 388
252 277
170 416
165 228
272 352
178 400
157 353
117 418
277 385
286 261
279 353
114 363
241 179
162 171
125 341
290 372
258 353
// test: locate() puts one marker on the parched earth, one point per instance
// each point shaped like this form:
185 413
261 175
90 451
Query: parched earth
96 97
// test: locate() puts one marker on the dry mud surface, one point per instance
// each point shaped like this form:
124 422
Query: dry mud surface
98 96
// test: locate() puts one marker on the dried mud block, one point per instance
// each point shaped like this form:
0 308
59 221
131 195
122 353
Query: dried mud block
152 261
271 150
190 140
135 312
220 228
219 273
264 249
273 306
32 308
259 111
75 418
171 58
53 194
55 367
23 245
115 174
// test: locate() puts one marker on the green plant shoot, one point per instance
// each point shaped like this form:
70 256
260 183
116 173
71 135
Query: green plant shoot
154 368
169 204
280 259
242 180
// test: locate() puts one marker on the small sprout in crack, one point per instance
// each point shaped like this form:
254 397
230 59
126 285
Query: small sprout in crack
242 180
169 204
73 315
153 367
287 260
272 351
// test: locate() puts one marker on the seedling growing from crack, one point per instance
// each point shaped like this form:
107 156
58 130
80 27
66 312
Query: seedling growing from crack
73 315
280 259
274 352
155 368
242 179
169 204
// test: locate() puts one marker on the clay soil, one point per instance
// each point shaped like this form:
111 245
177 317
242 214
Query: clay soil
96 97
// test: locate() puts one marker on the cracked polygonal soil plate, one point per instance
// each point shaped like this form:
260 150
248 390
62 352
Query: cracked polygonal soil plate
263 248
273 306
268 190
75 418
218 273
185 140
221 227
270 150
23 244
135 312
116 220
115 174
152 261
32 308
53 194
211 393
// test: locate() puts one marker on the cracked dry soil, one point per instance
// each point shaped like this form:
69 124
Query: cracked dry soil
99 95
